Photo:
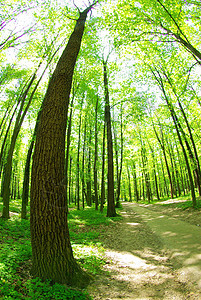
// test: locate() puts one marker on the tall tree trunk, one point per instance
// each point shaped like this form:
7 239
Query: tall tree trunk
25 190
177 182
129 184
83 165
162 145
7 132
192 154
121 165
180 168
159 79
164 179
111 212
88 177
24 106
96 157
154 169
68 145
172 167
136 193
70 181
78 160
52 256
116 157
3 120
187 163
9 159
146 172
103 172
194 158
4 143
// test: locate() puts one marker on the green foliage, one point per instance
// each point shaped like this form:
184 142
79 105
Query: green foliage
188 204
82 225
88 216
15 251
90 257
36 289
15 255
182 202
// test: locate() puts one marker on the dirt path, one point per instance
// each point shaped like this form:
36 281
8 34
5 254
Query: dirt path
150 256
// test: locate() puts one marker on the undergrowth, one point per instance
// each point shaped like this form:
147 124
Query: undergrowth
188 204
15 255
183 202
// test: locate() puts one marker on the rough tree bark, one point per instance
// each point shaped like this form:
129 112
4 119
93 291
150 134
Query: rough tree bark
52 256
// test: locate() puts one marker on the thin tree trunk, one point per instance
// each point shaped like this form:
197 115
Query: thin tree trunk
136 193
194 157
88 178
173 170
155 176
129 184
146 172
8 166
103 172
70 181
96 156
180 168
83 165
78 160
187 164
164 179
162 144
18 124
25 190
111 212
6 134
177 127
68 146
121 165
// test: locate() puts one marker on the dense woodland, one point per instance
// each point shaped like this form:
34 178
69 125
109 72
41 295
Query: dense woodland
96 115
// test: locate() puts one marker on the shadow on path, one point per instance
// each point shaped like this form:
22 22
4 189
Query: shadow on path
183 239
140 264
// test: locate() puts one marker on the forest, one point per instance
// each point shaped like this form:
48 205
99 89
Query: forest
100 105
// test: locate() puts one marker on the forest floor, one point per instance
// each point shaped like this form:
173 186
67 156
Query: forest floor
154 252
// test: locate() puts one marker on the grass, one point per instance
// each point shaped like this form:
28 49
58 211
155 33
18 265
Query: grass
183 202
15 255
188 204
